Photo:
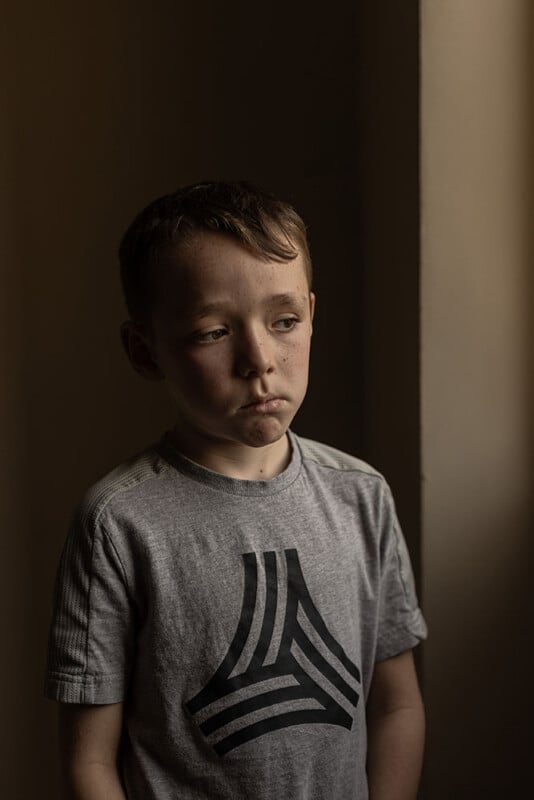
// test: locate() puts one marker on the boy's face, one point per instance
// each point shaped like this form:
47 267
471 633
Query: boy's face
231 330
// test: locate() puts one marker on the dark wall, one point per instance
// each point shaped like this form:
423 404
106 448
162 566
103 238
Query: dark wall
107 106
388 165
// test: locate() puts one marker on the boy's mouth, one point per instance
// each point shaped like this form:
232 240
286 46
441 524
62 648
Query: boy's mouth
264 404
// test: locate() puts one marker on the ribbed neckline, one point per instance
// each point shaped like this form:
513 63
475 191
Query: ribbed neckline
223 483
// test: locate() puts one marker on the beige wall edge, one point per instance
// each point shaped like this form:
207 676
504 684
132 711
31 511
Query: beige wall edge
476 373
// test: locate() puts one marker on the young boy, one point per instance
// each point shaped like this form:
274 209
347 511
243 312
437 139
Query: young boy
234 611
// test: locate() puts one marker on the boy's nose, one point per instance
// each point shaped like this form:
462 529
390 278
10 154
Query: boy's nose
254 355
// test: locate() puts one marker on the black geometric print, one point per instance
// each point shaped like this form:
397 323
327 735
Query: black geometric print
285 664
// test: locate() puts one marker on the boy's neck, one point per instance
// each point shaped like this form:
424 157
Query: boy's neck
235 460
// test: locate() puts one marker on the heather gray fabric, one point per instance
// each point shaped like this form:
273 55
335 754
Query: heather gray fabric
239 621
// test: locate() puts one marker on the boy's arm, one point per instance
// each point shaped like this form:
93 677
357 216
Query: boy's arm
396 729
89 738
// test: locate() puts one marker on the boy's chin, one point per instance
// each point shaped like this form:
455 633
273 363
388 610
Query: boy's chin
264 433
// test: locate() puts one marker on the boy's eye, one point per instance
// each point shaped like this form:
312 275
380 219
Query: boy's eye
287 323
210 336
284 325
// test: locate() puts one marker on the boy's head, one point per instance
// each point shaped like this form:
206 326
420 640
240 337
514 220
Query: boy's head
269 227
217 281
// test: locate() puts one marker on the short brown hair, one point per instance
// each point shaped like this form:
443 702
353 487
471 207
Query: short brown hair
269 227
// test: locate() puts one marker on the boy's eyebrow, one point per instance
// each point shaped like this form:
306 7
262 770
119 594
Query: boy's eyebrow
273 299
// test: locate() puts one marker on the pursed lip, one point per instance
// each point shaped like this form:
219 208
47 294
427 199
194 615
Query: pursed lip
265 401
260 399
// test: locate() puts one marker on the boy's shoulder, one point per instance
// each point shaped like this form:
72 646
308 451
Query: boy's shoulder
325 455
133 475
136 477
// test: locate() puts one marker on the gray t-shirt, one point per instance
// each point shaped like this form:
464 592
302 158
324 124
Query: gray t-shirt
239 622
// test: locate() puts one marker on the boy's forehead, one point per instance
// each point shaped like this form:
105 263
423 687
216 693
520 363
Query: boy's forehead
211 249
212 265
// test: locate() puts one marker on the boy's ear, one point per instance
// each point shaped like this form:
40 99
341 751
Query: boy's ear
137 348
312 307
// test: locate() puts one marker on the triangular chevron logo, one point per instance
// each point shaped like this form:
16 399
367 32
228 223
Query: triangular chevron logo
308 680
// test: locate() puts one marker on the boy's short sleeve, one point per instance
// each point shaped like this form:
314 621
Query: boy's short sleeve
401 623
91 634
